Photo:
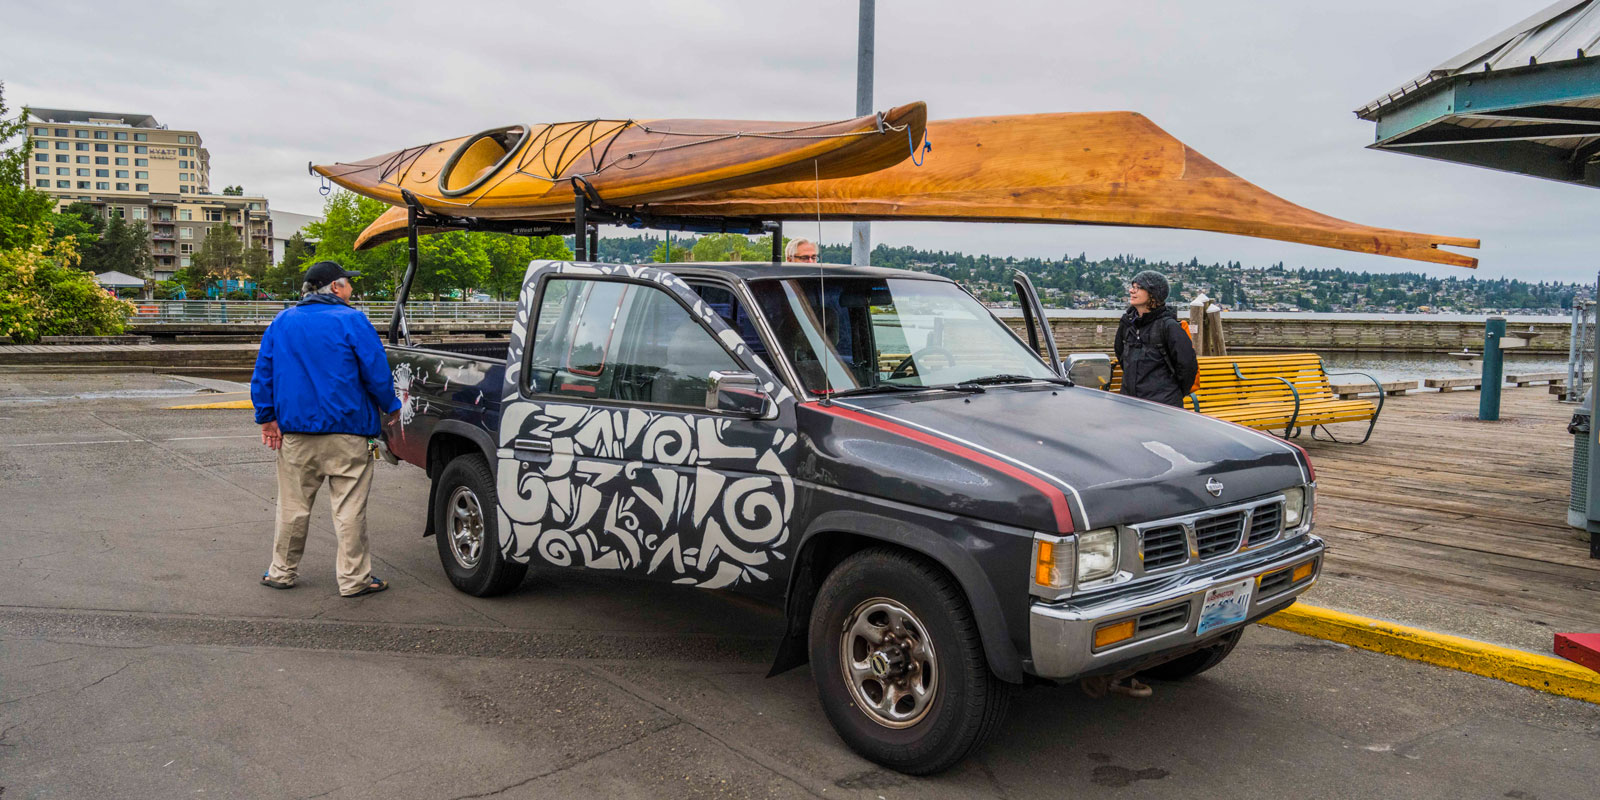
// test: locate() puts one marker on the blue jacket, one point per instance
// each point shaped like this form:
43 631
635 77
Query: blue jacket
322 369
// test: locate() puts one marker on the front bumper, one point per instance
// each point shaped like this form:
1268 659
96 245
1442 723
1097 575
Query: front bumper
1061 633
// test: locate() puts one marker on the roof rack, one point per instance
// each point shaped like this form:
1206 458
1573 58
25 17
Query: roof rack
589 212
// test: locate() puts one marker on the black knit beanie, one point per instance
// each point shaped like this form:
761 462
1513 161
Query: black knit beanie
1155 283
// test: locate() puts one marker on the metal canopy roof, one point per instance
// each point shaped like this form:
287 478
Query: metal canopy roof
1526 100
114 278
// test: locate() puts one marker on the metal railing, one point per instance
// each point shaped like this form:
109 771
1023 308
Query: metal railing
235 311
1580 349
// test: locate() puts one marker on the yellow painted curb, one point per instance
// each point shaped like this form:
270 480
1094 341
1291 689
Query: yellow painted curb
232 404
1535 671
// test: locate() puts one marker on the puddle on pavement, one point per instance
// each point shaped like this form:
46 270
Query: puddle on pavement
110 394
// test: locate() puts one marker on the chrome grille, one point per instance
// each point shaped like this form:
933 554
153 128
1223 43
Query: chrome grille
1219 535
1264 523
1164 547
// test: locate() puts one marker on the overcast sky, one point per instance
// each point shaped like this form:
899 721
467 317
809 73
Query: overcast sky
1263 87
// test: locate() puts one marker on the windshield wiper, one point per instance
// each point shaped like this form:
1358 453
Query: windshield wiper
990 380
964 386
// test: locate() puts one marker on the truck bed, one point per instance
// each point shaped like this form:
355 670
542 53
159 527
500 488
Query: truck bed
491 349
455 382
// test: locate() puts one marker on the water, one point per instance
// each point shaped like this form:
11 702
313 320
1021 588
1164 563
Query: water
1417 366
1107 313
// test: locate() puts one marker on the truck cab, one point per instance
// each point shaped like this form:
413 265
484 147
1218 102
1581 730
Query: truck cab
939 509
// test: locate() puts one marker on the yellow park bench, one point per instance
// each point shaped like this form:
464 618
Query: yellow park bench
1290 391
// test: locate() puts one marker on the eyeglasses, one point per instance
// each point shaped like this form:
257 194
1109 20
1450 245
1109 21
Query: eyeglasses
805 258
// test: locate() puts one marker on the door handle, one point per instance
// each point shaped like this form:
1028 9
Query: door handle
540 446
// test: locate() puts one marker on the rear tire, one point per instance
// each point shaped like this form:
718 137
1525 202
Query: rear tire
466 529
1193 664
898 663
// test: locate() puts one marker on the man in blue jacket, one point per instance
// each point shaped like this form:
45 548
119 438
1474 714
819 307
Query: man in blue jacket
320 382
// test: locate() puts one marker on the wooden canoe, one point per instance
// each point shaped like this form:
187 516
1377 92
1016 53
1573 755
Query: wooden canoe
1095 168
526 171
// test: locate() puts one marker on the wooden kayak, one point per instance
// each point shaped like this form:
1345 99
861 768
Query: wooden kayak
1111 168
1094 168
526 171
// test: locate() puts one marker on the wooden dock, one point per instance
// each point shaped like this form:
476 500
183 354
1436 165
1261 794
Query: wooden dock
1465 517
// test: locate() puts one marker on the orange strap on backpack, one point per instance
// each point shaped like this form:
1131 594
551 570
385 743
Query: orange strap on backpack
1183 323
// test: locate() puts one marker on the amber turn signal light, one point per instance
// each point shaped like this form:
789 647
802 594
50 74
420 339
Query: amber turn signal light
1111 634
1044 564
1304 571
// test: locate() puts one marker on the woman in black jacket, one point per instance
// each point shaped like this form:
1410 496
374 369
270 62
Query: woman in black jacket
1157 358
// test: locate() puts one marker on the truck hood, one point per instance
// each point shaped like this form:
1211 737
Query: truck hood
1118 460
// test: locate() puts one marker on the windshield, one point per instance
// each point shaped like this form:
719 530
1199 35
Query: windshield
888 333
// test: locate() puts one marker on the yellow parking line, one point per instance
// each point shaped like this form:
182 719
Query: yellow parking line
1535 671
228 404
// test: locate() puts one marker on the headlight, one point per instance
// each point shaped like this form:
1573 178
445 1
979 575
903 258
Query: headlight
1294 507
1097 554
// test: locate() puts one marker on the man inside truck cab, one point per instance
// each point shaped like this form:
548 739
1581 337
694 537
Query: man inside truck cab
320 382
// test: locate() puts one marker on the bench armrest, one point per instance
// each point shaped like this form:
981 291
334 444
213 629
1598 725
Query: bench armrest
1376 384
1293 391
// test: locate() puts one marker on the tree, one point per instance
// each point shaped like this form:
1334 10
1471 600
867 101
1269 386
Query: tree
508 260
453 260
43 293
121 247
297 251
233 191
345 215
23 210
83 222
509 257
732 247
679 255
221 254
284 278
191 279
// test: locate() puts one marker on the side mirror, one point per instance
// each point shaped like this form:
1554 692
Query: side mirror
1088 369
736 392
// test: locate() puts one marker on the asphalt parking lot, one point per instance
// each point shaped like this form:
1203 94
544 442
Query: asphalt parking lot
139 658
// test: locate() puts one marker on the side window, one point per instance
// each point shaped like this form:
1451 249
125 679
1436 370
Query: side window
610 340
733 314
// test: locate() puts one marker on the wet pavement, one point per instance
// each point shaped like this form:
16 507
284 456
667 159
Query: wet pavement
140 658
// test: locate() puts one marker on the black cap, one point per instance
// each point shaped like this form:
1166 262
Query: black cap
323 273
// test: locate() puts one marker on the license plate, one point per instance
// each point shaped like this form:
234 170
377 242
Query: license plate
1225 605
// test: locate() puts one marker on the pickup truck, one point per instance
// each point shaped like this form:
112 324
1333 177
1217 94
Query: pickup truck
941 512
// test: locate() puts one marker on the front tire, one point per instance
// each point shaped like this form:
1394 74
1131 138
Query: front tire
898 663
466 529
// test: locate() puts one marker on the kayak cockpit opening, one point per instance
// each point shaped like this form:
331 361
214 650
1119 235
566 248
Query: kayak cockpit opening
479 158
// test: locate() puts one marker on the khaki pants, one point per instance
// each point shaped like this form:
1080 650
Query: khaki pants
304 461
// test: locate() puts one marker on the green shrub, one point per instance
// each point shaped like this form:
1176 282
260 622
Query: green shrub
43 293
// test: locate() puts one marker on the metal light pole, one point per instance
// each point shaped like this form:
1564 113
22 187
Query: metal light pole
861 232
1593 496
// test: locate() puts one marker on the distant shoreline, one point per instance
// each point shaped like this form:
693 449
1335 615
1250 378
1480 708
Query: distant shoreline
1393 316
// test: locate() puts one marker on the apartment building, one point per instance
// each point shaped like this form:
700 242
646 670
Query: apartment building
131 166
